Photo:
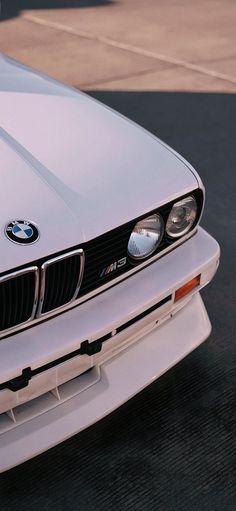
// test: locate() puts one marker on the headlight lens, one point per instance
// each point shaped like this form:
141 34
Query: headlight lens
145 237
181 217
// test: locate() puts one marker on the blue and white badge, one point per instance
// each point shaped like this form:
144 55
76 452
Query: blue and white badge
22 232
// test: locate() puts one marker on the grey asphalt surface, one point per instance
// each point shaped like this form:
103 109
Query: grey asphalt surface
173 446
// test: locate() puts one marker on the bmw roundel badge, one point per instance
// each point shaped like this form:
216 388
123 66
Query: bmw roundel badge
22 232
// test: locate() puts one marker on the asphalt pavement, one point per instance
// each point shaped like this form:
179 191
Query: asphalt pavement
170 66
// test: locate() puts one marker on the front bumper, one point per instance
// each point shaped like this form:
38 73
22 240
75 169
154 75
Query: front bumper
128 362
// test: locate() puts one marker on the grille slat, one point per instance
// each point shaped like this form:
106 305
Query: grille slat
15 293
112 249
61 280
104 244
3 302
51 290
21 297
70 279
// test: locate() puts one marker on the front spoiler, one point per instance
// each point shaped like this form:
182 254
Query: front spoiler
118 379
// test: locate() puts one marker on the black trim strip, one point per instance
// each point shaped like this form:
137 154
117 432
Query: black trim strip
143 314
86 348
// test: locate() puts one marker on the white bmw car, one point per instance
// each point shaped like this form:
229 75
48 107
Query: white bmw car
102 260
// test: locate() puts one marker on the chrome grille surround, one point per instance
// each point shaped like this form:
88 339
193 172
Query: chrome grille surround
44 267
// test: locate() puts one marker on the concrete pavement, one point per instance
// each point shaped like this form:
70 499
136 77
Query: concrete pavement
127 44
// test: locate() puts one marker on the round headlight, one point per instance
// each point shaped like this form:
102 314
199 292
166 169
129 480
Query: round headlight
145 237
181 217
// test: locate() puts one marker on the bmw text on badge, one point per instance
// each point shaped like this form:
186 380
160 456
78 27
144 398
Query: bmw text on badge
22 232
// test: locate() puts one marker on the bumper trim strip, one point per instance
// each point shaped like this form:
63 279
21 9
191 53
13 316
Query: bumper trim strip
86 348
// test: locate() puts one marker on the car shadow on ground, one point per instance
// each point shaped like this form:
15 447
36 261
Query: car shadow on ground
170 447
12 8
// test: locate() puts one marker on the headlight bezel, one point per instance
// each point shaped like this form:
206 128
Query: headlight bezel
182 203
164 211
154 216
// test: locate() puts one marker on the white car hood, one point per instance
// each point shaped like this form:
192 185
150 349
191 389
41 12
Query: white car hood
73 166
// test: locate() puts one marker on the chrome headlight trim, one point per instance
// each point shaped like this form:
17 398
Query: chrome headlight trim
146 237
189 212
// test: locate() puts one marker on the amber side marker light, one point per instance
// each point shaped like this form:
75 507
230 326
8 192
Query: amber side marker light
186 288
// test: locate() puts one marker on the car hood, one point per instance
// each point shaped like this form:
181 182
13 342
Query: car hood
73 166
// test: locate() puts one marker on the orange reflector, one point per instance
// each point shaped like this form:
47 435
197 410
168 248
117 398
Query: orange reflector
186 288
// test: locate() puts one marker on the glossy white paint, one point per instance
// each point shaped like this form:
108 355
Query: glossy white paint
74 167
78 169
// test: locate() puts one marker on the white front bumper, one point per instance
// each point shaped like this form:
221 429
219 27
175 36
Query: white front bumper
128 362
